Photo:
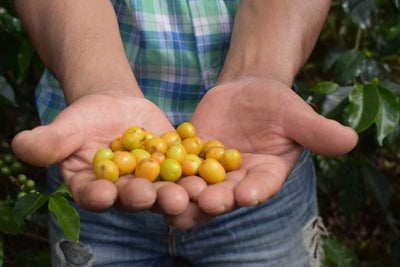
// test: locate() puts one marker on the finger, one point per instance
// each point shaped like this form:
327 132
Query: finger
45 145
92 194
135 194
191 217
193 185
218 198
317 133
261 183
172 198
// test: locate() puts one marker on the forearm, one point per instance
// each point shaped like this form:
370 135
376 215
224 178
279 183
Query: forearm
273 38
79 42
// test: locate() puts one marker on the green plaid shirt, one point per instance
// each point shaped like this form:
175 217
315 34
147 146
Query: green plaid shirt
176 49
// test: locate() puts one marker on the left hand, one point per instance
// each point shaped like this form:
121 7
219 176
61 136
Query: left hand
269 124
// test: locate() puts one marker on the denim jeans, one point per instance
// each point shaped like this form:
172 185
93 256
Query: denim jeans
283 231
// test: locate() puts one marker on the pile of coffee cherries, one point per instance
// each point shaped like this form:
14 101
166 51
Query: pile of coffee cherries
167 157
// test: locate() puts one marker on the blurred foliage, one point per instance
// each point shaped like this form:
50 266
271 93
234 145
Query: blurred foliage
357 83
353 76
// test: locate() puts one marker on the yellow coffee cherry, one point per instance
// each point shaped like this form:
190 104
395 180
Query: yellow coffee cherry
140 154
211 144
177 152
212 171
106 169
215 152
125 161
171 138
148 168
156 144
193 145
134 137
186 130
102 153
194 157
231 159
170 170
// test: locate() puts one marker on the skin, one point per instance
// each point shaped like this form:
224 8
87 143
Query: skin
271 41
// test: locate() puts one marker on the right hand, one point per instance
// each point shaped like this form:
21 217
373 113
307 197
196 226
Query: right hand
79 131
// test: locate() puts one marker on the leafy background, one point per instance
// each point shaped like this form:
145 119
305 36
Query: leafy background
353 76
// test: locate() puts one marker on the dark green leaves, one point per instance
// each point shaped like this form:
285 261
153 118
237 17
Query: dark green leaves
27 205
360 11
364 105
378 183
7 96
338 254
1 254
373 103
8 225
67 216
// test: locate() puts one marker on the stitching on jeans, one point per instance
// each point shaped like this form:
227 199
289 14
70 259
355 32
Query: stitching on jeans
312 233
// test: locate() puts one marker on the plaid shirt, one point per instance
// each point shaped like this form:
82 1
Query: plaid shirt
176 49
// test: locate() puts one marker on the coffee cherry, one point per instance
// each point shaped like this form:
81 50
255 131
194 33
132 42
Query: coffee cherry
159 157
211 144
21 194
171 138
140 154
170 170
29 185
193 145
134 137
125 161
22 178
117 145
212 171
231 159
186 130
190 166
215 152
5 171
106 169
16 167
102 153
148 168
177 152
156 144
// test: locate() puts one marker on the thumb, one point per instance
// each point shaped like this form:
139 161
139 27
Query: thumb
48 144
320 135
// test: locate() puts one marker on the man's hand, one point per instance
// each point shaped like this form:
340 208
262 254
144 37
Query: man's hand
269 124
79 131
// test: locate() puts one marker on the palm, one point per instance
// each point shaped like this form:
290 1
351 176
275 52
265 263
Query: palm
267 122
79 131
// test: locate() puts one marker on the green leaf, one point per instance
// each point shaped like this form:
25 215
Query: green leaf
394 87
1 253
25 55
388 113
349 65
393 32
325 87
338 254
364 105
336 102
27 205
397 3
7 223
67 216
360 11
378 183
351 193
7 95
63 191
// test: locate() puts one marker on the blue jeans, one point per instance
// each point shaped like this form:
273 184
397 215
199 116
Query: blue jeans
284 231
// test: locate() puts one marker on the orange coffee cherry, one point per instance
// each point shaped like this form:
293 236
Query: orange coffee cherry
215 152
193 145
125 161
148 169
171 138
177 152
156 144
211 144
140 154
117 145
159 157
190 166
